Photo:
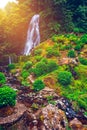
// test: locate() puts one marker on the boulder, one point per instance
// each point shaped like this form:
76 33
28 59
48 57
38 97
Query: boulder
75 124
53 118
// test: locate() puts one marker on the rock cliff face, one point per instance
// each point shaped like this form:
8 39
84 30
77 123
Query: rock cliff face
44 118
36 113
47 118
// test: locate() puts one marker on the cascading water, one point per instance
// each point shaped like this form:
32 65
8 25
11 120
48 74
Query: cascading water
33 35
10 60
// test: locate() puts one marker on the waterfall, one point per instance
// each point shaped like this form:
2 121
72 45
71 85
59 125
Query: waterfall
10 60
33 35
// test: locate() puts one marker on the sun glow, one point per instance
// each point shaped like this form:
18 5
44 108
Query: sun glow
3 3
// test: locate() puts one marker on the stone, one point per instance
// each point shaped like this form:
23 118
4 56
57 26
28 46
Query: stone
75 124
31 79
53 118
48 92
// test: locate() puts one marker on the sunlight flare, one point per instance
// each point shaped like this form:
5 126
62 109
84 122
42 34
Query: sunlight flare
3 3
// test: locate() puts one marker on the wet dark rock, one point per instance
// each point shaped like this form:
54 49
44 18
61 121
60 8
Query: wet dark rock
70 113
13 80
66 106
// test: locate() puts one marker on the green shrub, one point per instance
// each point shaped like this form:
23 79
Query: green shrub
83 39
25 83
38 52
76 30
27 65
56 45
80 97
83 61
43 68
51 66
38 85
78 47
64 78
54 38
2 78
81 71
52 52
24 74
68 47
7 96
71 54
45 60
38 58
11 66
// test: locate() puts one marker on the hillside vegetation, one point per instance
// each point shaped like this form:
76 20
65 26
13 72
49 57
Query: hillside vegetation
60 63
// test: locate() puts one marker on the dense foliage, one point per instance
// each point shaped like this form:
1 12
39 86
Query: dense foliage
67 76
27 65
43 68
2 78
7 96
64 78
83 61
38 85
71 54
11 66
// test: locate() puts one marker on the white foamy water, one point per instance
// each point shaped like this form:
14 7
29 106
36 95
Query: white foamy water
33 35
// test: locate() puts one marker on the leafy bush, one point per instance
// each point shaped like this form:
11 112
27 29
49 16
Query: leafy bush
45 60
54 38
68 47
38 51
11 66
24 74
44 68
38 58
52 52
80 97
64 78
51 66
27 65
76 30
83 39
71 54
41 68
7 96
38 85
78 47
25 83
2 78
83 61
